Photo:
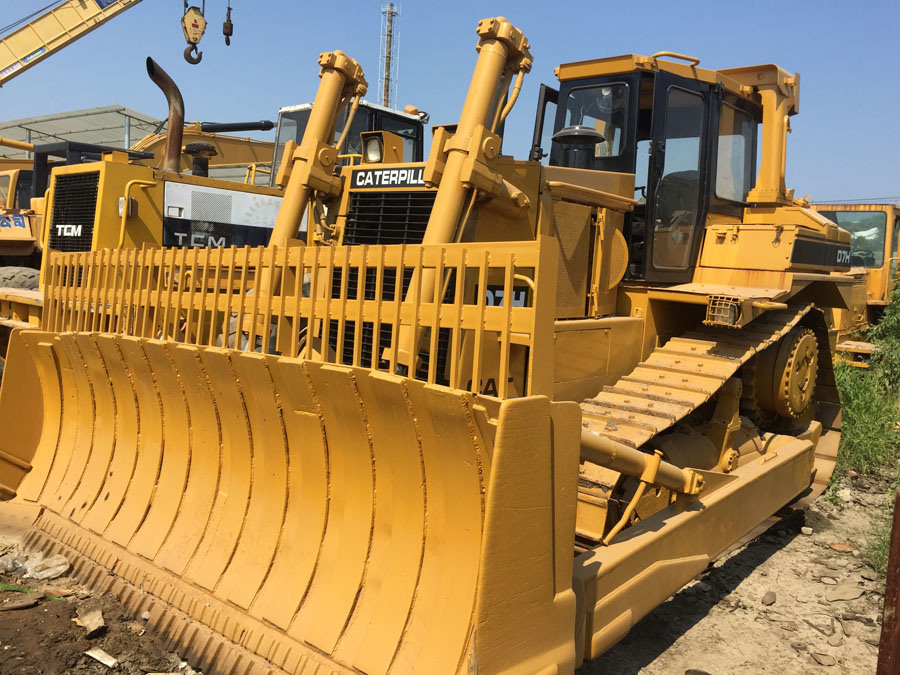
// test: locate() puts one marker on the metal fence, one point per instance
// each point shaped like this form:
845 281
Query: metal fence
447 314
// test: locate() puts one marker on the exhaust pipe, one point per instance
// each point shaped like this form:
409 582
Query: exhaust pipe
216 127
175 131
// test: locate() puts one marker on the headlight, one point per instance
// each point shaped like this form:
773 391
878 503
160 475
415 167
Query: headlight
373 150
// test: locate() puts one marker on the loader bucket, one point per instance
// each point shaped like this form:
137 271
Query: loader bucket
275 514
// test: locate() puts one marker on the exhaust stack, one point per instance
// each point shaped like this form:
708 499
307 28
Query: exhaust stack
175 131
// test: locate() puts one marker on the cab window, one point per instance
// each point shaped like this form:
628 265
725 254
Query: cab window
604 109
4 189
290 128
734 163
23 190
353 142
292 125
867 233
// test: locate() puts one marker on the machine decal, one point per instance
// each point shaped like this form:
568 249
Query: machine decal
203 233
33 55
197 215
68 230
409 177
494 295
14 221
815 252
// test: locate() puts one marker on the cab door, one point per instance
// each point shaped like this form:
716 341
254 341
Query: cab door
895 240
678 194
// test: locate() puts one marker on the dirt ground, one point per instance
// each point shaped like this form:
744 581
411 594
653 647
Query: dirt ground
722 623
45 639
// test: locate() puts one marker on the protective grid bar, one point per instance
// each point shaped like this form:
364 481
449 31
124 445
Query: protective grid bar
311 303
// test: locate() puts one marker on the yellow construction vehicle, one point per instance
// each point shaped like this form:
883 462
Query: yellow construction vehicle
24 195
482 417
19 226
874 233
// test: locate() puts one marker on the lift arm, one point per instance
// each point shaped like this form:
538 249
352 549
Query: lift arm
52 31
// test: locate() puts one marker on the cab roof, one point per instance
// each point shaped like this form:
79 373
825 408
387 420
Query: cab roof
743 81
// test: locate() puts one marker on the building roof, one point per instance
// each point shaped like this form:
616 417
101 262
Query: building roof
102 126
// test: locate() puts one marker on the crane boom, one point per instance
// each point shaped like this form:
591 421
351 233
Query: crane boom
54 30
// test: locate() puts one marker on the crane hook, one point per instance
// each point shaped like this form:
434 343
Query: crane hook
193 23
192 55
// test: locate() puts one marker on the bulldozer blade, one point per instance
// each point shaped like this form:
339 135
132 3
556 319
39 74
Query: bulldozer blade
279 515
21 419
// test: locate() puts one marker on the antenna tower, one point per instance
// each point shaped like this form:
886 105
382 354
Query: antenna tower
390 38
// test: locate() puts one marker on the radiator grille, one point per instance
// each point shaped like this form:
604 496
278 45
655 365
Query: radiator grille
384 343
74 206
388 217
388 289
384 218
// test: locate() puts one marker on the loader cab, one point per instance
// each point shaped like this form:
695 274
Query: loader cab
369 117
874 234
15 189
690 143
869 234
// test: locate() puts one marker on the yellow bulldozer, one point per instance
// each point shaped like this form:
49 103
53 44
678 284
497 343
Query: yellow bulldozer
874 232
482 417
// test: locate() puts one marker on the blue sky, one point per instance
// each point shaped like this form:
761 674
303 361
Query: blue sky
845 142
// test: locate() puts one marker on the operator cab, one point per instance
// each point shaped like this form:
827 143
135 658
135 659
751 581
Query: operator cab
691 144
15 189
409 126
869 235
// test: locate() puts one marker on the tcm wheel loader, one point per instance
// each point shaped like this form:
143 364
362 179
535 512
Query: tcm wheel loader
485 415
874 233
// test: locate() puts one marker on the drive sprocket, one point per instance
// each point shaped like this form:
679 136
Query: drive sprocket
784 378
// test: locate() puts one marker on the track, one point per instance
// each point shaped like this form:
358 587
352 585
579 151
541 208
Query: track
689 370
